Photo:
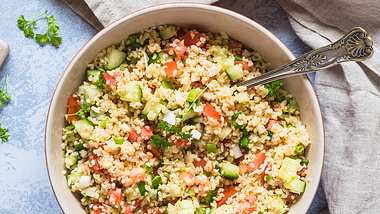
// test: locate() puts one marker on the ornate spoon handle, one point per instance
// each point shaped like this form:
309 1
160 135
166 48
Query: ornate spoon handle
354 46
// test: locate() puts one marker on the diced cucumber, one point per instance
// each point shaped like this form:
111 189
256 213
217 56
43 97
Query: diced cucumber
211 147
193 95
295 185
229 170
152 109
74 177
103 123
189 115
235 72
90 92
171 209
279 206
156 181
84 128
168 32
186 207
91 192
71 159
114 58
288 169
130 92
118 140
93 75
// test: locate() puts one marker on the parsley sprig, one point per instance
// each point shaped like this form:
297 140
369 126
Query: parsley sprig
49 37
4 134
4 99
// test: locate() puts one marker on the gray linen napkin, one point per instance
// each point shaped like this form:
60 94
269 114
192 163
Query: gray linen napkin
349 94
350 101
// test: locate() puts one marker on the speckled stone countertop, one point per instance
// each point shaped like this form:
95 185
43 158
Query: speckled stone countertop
33 72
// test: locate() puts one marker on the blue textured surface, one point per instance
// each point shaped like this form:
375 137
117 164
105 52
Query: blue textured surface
33 72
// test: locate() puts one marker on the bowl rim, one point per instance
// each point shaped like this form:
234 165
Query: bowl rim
218 9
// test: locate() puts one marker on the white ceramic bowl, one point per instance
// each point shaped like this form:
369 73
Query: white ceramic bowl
204 17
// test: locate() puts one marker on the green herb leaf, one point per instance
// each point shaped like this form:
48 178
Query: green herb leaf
84 110
49 37
4 134
4 97
210 197
273 87
148 167
159 141
141 187
234 123
244 140
171 129
118 140
156 181
305 162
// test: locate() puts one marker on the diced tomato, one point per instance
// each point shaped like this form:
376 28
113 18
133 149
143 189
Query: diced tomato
271 123
129 209
244 64
171 69
228 192
133 136
156 152
158 212
260 158
96 209
249 210
73 106
194 38
199 162
110 80
116 196
94 164
210 111
180 143
179 48
146 132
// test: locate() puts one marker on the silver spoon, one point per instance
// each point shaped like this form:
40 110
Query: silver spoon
354 46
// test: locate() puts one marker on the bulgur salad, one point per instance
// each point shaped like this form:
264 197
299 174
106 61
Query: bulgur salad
159 126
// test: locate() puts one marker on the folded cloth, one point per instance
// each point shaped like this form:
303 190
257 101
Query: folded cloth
349 96
112 10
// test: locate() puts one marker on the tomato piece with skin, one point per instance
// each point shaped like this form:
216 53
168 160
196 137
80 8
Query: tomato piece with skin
260 158
110 80
156 152
146 132
73 106
228 192
210 111
129 209
171 69
116 196
199 162
133 136
193 38
180 143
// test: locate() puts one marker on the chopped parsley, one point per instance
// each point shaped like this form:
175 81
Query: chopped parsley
49 37
4 134
171 129
4 97
273 87
84 110
160 142
234 123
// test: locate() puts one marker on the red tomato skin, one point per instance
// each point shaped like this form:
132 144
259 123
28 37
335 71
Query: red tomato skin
228 192
171 69
133 136
73 106
110 80
210 111
146 132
